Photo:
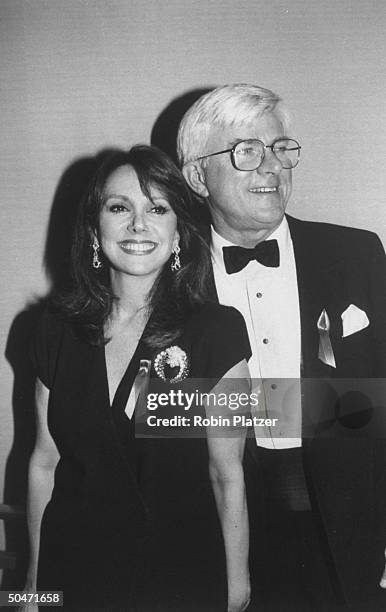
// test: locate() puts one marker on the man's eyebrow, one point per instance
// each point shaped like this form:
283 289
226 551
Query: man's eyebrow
237 140
234 142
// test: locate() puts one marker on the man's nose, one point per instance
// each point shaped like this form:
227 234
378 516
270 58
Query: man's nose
270 162
137 223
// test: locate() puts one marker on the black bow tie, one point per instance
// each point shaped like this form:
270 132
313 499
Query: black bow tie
266 253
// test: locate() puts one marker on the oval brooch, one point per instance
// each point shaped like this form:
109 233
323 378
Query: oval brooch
167 362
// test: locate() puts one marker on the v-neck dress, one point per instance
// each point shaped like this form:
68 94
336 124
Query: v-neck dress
132 523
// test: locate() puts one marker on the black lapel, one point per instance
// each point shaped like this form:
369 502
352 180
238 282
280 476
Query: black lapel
212 290
319 286
210 285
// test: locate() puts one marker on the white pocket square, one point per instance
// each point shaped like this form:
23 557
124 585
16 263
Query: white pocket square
354 319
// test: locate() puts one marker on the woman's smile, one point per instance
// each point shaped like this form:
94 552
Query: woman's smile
138 247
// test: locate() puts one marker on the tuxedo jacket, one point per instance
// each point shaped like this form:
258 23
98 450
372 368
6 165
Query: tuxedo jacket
343 406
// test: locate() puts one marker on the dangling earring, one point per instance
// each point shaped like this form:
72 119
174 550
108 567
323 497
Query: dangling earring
176 263
96 262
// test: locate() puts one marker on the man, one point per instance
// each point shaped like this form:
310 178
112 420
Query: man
313 297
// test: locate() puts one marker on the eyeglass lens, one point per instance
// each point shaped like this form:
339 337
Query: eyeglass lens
249 154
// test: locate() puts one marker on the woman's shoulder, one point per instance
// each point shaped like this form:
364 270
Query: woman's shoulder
215 316
52 331
51 322
46 343
218 340
219 328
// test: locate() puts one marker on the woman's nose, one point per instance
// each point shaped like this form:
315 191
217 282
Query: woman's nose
138 223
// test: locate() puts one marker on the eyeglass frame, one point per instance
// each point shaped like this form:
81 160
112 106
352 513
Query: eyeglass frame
232 152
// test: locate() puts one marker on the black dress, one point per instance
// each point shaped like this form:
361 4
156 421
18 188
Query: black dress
132 522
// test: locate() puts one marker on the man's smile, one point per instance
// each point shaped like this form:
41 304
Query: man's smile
263 189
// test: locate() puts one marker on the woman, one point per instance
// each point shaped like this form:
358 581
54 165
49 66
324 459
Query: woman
130 524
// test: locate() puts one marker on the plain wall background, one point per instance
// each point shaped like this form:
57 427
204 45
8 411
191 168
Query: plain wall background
81 75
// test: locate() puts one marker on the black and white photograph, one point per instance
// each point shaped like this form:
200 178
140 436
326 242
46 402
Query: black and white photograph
193 306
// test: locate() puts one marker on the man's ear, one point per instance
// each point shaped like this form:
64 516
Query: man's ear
195 177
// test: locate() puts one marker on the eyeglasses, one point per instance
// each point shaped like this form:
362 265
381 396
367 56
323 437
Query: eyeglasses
248 155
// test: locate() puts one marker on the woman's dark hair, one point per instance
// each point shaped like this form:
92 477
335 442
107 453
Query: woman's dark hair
175 294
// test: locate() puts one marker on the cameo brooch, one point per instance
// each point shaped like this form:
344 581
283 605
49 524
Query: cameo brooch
172 364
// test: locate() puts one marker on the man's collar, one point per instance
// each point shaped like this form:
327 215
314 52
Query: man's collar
281 234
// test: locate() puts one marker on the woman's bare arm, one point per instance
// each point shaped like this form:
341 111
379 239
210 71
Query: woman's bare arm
42 466
227 477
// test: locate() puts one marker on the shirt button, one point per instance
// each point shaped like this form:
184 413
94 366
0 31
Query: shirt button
259 295
265 340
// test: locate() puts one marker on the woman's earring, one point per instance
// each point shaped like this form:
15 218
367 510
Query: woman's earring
96 262
176 263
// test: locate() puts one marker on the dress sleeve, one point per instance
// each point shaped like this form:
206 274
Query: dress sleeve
221 341
44 349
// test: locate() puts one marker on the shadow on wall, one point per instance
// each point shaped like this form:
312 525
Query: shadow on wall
164 135
57 264
165 128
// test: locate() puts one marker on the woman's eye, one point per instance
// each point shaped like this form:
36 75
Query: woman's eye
117 208
159 209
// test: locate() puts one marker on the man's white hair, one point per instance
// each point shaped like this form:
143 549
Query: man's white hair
229 105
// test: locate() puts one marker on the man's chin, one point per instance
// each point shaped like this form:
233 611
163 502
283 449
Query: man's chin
271 220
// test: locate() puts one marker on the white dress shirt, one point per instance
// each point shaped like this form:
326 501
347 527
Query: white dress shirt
268 299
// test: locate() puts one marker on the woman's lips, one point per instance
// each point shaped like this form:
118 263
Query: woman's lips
137 247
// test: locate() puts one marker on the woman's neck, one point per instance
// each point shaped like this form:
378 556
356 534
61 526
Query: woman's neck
132 293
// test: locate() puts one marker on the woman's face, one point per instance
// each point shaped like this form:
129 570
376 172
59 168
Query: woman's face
136 235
